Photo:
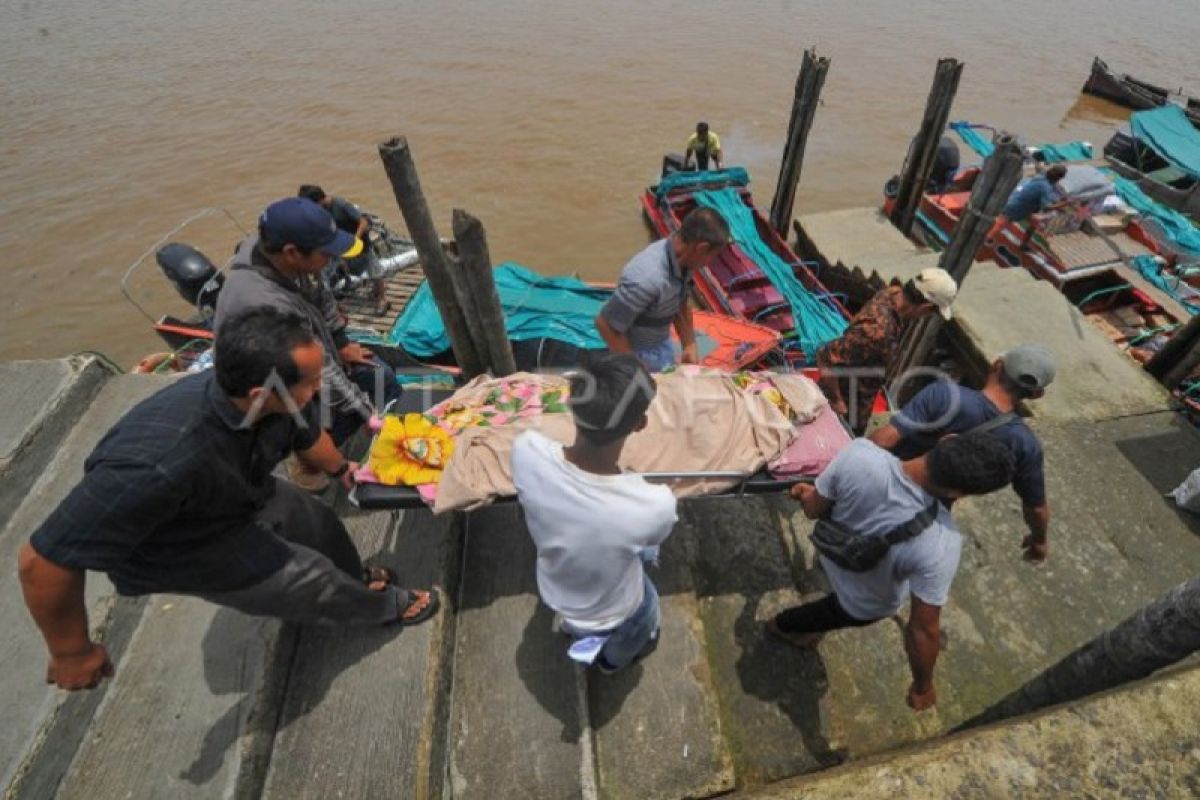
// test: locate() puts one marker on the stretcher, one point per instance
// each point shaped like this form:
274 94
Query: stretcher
378 496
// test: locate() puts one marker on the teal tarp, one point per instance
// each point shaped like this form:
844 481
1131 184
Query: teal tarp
734 176
817 322
1168 132
561 308
1054 153
1153 271
1177 228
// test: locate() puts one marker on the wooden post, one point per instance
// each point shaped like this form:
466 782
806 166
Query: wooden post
1161 634
402 172
804 108
481 285
1001 172
919 165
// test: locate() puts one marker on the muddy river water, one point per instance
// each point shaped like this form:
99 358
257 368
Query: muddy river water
544 118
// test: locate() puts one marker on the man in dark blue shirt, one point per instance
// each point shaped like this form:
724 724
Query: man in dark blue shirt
1037 194
944 408
179 497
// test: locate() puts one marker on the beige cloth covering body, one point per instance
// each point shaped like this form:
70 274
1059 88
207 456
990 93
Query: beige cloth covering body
700 421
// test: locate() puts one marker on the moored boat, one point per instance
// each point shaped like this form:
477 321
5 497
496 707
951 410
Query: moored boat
1160 151
1129 91
549 319
759 278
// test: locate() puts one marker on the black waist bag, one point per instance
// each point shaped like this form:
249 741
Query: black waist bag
858 552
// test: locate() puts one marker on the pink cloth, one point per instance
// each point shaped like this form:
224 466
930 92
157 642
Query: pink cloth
814 447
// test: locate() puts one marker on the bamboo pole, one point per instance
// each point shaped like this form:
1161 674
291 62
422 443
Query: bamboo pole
402 173
1001 173
804 107
919 165
481 284
1161 634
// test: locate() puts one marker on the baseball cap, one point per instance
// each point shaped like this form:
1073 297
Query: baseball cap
936 286
1030 366
300 221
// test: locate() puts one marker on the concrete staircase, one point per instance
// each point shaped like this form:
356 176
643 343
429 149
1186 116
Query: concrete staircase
483 702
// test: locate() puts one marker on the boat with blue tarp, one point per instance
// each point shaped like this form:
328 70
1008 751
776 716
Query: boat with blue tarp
1160 150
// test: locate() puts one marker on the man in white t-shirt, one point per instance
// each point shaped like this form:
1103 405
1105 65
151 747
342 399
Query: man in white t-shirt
591 523
869 491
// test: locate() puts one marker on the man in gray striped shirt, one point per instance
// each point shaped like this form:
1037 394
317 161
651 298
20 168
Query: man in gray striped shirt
652 293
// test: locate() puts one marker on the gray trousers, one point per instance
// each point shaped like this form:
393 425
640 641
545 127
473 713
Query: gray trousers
322 582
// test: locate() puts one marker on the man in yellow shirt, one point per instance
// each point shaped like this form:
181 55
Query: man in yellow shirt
704 145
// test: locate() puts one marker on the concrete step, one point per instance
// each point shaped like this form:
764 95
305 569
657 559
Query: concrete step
36 715
771 695
365 711
190 711
657 727
1137 741
516 724
41 401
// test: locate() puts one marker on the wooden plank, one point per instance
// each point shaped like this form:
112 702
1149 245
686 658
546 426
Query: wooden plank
365 711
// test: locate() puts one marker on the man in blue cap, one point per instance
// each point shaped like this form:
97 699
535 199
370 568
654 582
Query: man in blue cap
280 267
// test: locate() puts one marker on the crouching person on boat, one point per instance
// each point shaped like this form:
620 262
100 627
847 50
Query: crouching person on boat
653 290
281 266
178 497
884 536
860 357
1036 195
943 408
593 525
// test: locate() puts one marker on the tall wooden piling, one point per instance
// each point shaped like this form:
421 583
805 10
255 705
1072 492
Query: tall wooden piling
480 280
402 173
1000 175
804 108
919 165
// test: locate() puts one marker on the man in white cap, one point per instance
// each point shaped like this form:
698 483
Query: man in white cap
943 408
873 338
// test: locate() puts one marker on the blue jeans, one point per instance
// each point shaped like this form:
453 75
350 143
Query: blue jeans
627 640
658 357
345 424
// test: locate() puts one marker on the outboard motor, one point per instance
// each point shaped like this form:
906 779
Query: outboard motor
196 279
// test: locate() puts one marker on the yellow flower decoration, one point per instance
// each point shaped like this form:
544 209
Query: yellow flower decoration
410 451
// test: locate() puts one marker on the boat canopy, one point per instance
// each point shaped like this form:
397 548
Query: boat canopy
1168 132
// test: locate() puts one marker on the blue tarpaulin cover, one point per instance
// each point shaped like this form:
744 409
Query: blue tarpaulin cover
562 308
1167 131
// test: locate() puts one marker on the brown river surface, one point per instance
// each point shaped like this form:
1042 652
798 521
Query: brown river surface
545 118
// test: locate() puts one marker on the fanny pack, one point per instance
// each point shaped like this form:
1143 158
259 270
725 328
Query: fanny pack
859 552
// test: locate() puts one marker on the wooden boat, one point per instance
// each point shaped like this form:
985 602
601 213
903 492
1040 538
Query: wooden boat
734 285
543 306
1156 170
1073 255
1133 93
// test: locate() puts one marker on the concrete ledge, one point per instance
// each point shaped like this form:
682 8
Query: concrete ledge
1140 741
865 238
998 309
365 709
41 402
27 701
178 716
517 727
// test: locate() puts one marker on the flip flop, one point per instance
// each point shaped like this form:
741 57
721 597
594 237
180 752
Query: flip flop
431 607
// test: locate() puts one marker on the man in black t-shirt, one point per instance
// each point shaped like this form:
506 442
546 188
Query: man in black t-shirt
178 497
349 218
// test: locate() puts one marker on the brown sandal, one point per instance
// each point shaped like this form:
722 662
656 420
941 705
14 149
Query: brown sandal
414 613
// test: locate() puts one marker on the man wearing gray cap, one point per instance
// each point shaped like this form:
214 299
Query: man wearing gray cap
942 408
